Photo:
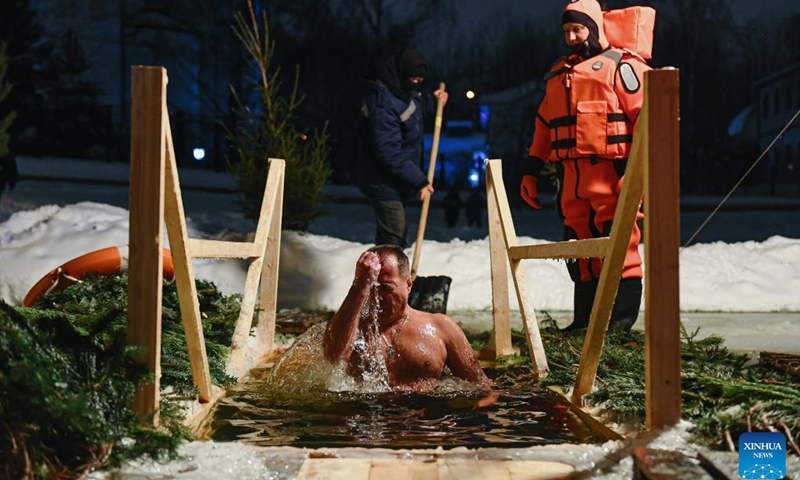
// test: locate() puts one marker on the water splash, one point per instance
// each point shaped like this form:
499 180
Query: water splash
302 368
369 350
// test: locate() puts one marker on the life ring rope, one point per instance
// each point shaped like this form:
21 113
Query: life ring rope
60 273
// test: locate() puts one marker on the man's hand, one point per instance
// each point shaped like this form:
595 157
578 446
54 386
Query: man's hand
441 95
368 267
529 192
425 191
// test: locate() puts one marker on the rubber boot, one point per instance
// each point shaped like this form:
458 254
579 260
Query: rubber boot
626 306
583 300
624 313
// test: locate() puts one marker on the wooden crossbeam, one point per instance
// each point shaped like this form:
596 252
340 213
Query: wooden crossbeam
593 247
202 248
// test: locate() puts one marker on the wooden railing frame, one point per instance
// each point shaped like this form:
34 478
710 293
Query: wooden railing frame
655 160
156 199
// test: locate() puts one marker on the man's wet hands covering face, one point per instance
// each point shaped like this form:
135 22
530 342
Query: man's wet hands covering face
393 289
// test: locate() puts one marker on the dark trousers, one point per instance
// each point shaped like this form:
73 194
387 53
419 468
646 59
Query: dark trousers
390 223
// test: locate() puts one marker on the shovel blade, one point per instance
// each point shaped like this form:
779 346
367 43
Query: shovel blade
429 294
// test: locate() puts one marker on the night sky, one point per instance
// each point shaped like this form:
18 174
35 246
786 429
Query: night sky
473 11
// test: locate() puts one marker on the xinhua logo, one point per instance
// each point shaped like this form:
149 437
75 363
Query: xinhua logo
762 455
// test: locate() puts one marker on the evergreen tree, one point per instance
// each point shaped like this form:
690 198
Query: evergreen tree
8 171
57 109
267 129
75 124
27 51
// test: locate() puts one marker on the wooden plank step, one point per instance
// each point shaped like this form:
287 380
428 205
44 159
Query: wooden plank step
431 469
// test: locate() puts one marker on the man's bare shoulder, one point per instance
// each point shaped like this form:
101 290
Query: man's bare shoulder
437 319
445 325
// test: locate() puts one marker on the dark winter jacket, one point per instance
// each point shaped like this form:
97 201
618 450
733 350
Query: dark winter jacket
391 143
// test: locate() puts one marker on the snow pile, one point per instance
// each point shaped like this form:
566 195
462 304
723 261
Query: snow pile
317 270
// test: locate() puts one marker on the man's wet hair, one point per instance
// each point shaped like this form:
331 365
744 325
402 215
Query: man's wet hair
384 251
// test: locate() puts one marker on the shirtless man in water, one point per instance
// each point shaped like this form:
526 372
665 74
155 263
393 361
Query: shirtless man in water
416 345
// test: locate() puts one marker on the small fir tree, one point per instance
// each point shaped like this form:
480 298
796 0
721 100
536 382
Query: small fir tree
8 169
5 89
267 130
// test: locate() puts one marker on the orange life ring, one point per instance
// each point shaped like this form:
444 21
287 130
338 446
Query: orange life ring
106 261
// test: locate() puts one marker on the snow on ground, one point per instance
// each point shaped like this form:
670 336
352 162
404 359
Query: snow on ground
316 270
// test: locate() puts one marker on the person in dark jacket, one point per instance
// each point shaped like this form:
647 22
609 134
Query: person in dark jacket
8 173
452 207
392 141
474 210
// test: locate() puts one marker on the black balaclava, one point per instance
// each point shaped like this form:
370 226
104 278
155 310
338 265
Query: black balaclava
395 70
591 46
411 64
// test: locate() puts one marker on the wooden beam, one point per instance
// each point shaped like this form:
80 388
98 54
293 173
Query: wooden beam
145 276
184 275
662 237
624 221
500 341
592 247
201 248
241 333
268 295
529 324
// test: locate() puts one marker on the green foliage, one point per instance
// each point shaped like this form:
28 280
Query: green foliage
5 89
64 399
267 130
723 393
106 297
67 378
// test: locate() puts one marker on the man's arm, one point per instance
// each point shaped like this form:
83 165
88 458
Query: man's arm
337 343
460 357
629 86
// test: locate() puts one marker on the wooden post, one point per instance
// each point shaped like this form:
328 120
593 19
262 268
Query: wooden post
268 295
624 221
662 240
500 342
529 324
145 276
273 197
184 275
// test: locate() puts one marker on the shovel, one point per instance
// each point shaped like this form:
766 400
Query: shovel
429 293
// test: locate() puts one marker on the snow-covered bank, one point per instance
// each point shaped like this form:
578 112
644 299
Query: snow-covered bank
316 270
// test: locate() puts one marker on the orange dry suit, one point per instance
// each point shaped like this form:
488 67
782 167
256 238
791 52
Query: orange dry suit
585 124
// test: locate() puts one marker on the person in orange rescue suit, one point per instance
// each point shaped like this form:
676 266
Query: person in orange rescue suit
585 126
